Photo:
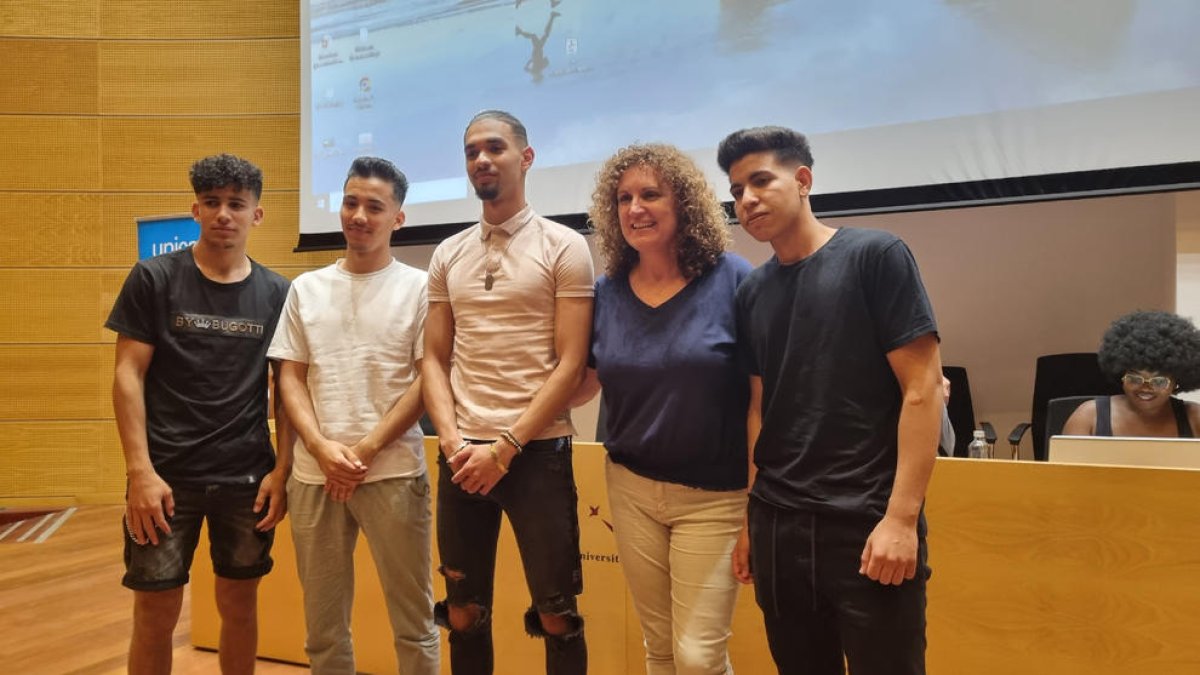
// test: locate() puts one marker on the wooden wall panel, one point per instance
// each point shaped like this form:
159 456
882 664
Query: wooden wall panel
61 305
49 153
60 459
155 154
49 18
56 382
51 230
271 244
197 20
94 230
199 78
99 230
104 105
48 76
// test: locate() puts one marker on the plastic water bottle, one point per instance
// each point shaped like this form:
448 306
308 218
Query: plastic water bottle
978 449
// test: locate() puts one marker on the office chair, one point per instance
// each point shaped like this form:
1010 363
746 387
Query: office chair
1058 411
1058 376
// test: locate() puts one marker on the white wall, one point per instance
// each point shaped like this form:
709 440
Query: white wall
1010 283
1187 279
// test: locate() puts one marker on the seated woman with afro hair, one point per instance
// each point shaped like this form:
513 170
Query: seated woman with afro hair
1154 355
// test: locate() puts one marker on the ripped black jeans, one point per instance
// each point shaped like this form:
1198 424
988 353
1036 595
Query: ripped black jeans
538 496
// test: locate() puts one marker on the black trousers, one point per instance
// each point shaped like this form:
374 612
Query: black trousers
820 613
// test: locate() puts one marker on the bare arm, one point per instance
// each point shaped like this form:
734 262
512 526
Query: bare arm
403 414
1082 422
342 468
890 554
587 389
272 492
741 550
572 330
435 373
150 501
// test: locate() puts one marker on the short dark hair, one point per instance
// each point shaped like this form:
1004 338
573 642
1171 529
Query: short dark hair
378 167
790 147
1159 342
508 118
225 170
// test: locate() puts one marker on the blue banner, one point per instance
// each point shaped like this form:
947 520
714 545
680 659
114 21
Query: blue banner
163 234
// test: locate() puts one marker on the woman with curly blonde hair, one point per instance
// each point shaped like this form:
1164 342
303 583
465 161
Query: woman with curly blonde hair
663 350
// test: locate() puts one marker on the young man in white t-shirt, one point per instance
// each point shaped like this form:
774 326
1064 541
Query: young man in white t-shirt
350 342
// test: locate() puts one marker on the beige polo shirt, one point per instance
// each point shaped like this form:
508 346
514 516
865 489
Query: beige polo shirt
504 337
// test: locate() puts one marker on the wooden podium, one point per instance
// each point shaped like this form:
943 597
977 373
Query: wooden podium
1037 568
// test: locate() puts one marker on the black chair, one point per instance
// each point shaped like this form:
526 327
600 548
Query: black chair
1058 411
1058 376
962 411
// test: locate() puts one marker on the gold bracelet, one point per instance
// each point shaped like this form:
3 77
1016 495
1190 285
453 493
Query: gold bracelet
496 456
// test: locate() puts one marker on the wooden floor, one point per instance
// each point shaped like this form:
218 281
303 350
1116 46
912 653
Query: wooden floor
63 609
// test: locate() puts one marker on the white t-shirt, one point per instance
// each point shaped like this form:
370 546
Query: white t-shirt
361 336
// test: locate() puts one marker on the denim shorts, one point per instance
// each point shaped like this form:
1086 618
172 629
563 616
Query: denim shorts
538 496
238 550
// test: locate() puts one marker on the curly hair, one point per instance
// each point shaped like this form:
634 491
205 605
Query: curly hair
226 170
702 234
1159 342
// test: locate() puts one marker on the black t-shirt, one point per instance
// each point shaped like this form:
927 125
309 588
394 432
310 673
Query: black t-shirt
206 387
818 332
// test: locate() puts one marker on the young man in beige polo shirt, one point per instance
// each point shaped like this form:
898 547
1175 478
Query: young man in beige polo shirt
506 338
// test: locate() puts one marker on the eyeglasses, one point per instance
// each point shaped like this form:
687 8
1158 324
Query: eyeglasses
1158 382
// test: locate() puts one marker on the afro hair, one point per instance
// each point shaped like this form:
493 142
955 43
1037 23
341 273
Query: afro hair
1159 342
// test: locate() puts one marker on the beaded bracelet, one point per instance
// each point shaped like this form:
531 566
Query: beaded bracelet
461 446
508 436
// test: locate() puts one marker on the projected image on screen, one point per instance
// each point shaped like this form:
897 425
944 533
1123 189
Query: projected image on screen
891 93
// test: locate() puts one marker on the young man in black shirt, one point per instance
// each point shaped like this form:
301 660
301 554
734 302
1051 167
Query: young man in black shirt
190 400
839 328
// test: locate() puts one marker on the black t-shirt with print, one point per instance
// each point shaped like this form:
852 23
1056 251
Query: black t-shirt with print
206 387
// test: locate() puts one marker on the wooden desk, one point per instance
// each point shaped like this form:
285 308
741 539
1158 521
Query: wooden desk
1037 568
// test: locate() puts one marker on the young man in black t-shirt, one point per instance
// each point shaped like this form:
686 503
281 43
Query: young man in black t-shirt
190 400
838 327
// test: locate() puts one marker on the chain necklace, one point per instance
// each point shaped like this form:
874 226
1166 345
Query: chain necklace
492 265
